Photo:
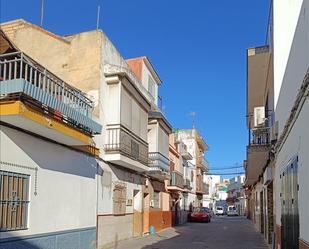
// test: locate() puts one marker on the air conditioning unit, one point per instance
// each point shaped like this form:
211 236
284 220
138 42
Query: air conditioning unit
259 116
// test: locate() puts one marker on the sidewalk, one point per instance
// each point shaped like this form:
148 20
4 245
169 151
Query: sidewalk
147 240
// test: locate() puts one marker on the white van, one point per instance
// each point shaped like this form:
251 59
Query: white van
219 210
232 211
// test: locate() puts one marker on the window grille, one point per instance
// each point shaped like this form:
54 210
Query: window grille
14 201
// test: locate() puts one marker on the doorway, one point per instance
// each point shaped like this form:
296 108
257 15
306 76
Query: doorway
137 213
289 206
262 212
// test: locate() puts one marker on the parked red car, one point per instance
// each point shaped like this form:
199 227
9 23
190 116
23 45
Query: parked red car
200 214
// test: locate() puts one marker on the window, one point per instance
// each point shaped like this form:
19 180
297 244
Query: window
14 201
151 86
156 200
119 199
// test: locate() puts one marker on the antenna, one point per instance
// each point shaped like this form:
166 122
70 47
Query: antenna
192 115
98 16
42 12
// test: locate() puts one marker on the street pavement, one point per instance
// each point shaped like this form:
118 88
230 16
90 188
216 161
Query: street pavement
221 233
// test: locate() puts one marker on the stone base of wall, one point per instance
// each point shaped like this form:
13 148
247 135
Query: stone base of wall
112 229
77 239
303 244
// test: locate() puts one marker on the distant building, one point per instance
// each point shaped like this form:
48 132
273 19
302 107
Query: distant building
236 194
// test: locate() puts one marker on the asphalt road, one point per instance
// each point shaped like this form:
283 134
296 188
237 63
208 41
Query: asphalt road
221 233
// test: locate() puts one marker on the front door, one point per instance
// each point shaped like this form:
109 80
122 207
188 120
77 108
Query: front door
261 212
289 206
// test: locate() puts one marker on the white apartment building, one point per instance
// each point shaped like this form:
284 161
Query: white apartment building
236 194
196 147
48 164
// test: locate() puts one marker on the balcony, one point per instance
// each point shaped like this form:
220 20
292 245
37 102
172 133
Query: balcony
257 153
35 100
158 162
259 136
125 148
202 163
201 187
182 149
176 183
187 184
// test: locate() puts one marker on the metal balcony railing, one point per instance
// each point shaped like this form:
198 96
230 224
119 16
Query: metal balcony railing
205 188
201 186
202 163
182 149
187 183
259 136
21 74
122 140
157 161
176 179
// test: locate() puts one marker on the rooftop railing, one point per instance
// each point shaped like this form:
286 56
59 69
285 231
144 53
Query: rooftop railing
17 65
19 73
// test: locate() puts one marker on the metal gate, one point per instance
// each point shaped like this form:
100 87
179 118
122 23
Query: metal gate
289 206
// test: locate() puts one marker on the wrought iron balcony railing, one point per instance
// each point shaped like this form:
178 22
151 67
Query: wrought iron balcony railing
259 136
182 149
187 183
201 186
202 163
157 161
121 140
176 179
21 75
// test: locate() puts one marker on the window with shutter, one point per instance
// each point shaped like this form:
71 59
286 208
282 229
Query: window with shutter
119 199
14 201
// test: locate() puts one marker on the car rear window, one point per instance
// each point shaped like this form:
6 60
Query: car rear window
219 208
201 210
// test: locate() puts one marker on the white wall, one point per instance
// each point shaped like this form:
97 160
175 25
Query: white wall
66 188
133 116
145 77
112 175
285 18
297 143
291 61
163 139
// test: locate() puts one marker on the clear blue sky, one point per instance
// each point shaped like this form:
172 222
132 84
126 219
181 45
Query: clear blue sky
198 48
